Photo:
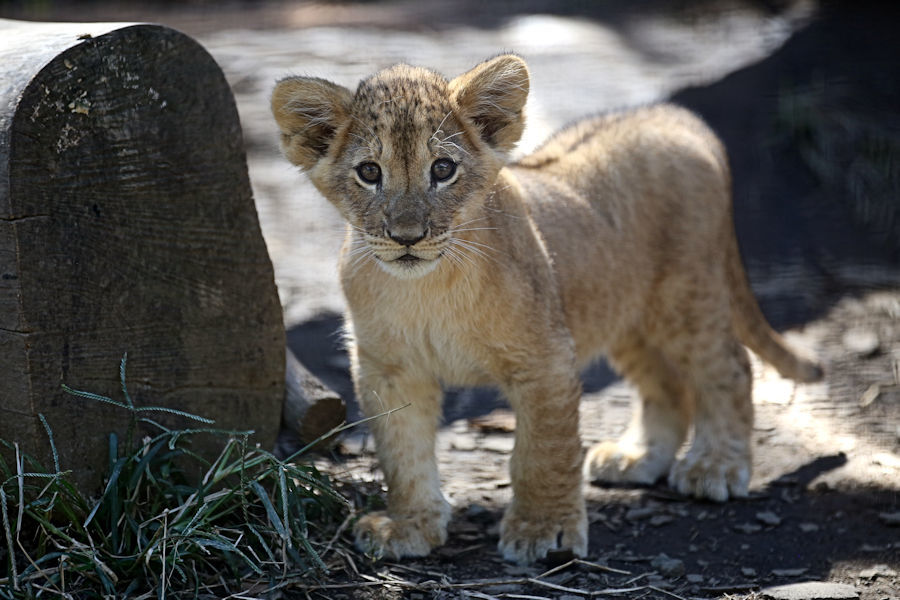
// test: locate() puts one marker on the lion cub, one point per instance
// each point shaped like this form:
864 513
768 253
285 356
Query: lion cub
615 238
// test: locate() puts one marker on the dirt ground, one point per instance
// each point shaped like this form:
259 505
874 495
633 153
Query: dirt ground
790 86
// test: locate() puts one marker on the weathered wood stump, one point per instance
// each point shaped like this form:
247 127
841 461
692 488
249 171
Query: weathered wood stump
127 224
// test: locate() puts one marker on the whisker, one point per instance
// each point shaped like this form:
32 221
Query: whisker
470 221
473 229
472 250
460 259
479 244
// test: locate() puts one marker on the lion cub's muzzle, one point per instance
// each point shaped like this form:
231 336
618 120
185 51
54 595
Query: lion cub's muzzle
407 252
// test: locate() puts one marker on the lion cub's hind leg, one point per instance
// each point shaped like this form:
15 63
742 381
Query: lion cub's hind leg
659 424
718 464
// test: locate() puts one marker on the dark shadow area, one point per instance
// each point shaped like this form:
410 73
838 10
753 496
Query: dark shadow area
813 134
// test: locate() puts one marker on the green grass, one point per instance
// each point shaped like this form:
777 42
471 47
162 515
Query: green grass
169 523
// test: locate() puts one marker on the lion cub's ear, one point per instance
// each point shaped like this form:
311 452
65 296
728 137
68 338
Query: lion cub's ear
493 95
309 112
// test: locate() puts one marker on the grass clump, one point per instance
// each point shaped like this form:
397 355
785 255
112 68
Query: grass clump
169 523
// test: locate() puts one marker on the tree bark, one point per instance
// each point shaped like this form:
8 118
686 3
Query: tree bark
127 224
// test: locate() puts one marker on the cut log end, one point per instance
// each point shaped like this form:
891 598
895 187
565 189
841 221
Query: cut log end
311 408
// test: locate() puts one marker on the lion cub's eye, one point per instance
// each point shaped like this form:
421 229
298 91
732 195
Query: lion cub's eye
443 169
369 172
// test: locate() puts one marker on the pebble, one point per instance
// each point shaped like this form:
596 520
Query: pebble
810 590
862 342
660 520
890 518
463 442
748 527
669 567
877 571
694 578
789 572
748 572
769 518
808 527
636 514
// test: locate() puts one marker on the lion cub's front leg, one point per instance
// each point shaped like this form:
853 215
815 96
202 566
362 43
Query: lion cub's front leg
417 513
547 511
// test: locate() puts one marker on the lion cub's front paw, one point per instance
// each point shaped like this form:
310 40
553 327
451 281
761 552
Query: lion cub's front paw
618 462
713 476
526 539
381 535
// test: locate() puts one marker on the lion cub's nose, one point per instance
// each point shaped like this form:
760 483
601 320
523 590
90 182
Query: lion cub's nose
406 236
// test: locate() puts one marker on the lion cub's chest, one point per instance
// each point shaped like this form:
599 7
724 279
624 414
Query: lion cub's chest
426 325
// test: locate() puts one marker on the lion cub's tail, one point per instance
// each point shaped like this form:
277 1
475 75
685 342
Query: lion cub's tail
756 333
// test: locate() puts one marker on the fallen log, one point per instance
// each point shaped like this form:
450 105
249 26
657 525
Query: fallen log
311 408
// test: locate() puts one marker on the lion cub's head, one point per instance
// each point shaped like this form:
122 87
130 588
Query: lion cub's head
407 156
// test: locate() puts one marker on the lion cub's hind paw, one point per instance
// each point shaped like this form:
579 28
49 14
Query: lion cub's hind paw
524 541
713 478
612 462
380 535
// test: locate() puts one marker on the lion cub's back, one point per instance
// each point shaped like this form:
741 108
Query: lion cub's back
660 141
623 200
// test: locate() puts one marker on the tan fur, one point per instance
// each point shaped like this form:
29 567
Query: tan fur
613 239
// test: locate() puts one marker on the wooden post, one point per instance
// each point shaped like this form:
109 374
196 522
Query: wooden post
127 224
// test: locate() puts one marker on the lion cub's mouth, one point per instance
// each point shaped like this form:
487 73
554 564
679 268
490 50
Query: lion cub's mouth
408 258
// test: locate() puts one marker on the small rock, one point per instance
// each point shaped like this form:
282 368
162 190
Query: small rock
748 572
748 527
668 567
463 442
636 514
810 590
808 527
862 342
789 572
570 597
660 520
892 519
877 571
694 578
769 518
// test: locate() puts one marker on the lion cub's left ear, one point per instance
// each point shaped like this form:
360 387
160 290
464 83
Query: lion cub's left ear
309 112
493 95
